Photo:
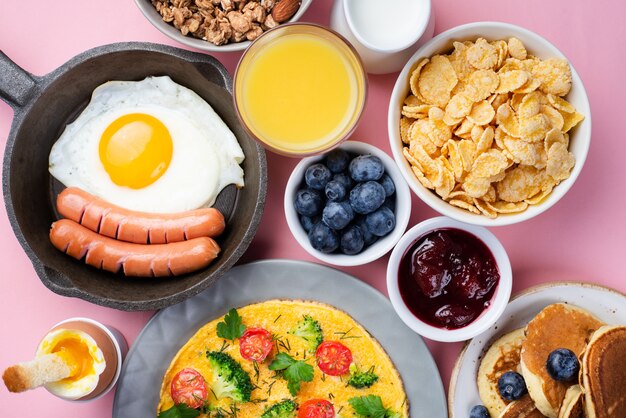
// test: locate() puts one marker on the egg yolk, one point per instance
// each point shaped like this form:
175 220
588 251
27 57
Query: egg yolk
135 150
76 355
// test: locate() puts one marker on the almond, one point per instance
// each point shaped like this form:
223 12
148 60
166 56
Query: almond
285 9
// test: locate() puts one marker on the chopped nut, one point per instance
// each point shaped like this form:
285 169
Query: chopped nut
219 32
239 22
268 4
237 36
269 23
254 33
254 12
227 5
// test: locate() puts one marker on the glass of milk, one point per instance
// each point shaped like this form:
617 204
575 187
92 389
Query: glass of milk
385 33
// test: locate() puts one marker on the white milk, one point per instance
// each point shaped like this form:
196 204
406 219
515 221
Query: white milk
388 24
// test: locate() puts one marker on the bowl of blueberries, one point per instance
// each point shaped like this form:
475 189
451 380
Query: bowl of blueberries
349 206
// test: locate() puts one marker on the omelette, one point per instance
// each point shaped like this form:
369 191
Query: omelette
313 358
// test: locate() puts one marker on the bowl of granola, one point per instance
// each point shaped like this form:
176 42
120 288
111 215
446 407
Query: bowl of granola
220 25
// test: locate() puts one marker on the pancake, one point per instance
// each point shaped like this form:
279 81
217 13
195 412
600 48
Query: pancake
556 326
522 408
502 356
603 373
279 317
573 405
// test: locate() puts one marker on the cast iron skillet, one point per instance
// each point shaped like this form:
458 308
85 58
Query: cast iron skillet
44 105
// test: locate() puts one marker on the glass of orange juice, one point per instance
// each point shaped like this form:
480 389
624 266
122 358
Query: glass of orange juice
300 89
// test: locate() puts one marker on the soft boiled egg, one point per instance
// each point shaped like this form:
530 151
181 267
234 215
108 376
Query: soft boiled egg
150 145
81 352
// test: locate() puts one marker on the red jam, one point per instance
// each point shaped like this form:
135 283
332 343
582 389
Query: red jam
447 278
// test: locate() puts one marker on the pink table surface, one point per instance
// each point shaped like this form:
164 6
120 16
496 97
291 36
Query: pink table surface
581 238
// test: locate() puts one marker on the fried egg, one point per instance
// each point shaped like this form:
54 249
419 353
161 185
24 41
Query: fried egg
150 145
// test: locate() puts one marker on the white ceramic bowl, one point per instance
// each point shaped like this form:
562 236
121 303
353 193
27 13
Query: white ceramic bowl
380 247
150 12
580 137
498 301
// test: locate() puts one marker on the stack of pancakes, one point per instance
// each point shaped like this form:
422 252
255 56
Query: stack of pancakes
600 391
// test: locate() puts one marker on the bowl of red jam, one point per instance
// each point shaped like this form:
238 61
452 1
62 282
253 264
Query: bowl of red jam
449 281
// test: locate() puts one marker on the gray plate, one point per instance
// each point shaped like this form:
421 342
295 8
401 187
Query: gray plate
138 389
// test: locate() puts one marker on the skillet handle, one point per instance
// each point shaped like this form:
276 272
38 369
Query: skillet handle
16 84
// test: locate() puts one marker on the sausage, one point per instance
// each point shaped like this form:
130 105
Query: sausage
139 260
139 227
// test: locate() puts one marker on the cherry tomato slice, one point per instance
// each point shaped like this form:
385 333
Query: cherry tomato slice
255 344
316 408
189 387
333 358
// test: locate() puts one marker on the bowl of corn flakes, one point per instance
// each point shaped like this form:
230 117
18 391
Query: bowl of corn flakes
489 123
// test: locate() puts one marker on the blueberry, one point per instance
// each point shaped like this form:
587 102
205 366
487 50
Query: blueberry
337 160
351 240
368 237
512 386
381 222
388 185
335 191
307 222
390 203
344 179
366 167
308 202
323 238
563 365
479 411
316 176
367 197
337 215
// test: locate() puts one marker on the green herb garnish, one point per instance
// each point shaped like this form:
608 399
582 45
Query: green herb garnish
294 371
231 327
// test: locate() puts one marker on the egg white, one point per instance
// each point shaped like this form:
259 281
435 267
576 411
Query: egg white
205 157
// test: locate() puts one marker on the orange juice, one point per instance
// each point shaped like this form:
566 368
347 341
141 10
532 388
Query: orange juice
301 91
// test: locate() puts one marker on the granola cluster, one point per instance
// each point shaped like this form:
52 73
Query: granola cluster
219 21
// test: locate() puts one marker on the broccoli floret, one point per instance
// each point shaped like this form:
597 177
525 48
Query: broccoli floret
229 379
309 330
359 379
284 409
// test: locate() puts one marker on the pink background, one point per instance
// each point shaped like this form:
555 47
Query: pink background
581 238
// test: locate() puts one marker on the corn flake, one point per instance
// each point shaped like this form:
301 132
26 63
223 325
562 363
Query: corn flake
482 55
459 106
482 113
405 124
507 120
520 183
555 76
555 119
489 163
560 162
481 84
561 104
534 129
415 75
476 186
571 120
436 81
516 49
